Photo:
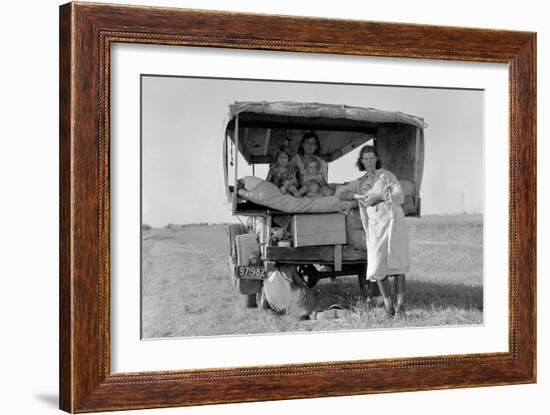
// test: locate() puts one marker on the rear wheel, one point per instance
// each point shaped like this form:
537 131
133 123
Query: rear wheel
246 246
233 230
261 301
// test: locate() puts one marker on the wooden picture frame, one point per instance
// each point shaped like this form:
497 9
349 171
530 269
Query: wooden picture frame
86 33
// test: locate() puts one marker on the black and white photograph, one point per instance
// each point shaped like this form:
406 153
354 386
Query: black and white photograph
275 206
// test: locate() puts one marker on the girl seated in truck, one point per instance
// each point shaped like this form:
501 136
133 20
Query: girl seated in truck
282 174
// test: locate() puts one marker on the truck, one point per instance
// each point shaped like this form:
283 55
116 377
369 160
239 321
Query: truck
319 244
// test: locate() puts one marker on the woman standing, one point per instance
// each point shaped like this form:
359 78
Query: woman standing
380 197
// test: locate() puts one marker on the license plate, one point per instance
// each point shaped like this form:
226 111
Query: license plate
250 272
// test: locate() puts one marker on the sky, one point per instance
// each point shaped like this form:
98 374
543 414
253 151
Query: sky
183 123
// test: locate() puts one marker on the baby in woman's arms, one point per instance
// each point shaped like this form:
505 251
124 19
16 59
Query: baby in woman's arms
314 183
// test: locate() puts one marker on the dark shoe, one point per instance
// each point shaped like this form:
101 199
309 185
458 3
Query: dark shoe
400 311
390 312
335 311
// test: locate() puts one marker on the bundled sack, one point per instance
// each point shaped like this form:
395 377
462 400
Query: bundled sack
267 194
287 293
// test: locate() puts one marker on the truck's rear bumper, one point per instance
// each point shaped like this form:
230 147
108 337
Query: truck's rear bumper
314 254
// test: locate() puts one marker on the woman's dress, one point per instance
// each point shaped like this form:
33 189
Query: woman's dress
280 177
385 228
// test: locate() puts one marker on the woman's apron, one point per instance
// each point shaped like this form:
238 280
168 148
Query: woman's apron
386 231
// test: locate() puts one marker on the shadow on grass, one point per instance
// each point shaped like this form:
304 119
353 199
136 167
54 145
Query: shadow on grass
421 295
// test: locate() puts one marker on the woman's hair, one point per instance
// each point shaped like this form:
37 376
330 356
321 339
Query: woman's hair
367 149
307 136
278 153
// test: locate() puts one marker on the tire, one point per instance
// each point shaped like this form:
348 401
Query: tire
246 245
250 301
262 301
233 230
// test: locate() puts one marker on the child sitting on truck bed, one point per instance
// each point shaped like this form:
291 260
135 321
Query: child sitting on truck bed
282 174
314 183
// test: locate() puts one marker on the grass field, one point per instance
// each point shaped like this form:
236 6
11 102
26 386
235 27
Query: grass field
187 291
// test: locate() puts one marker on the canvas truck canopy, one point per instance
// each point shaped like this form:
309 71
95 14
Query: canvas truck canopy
266 126
260 129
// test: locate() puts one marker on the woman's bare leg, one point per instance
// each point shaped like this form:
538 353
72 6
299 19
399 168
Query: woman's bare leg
385 290
400 288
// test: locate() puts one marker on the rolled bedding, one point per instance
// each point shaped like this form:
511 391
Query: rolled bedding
267 194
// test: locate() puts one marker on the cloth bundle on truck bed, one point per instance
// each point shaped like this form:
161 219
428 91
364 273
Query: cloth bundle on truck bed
267 194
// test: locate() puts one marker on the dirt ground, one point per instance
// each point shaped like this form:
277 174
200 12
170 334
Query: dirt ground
187 290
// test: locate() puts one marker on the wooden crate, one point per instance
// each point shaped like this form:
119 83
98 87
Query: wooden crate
318 229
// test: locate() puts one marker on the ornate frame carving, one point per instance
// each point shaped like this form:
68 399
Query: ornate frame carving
86 33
